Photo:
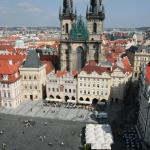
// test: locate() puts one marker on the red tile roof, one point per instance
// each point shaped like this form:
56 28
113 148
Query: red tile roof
14 57
61 73
99 69
49 66
7 47
10 70
126 64
148 73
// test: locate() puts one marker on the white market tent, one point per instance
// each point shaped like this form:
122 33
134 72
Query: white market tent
99 136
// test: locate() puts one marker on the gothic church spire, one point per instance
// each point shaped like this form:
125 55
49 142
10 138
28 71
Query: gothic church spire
67 10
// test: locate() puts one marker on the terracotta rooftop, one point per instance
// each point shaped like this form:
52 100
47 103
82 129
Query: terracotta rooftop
89 68
49 66
14 57
7 68
148 73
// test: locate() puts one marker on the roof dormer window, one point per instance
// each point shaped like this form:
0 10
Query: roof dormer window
5 77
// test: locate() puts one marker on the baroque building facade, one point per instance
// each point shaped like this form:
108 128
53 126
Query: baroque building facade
80 41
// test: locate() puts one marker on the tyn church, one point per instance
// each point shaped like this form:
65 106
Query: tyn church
80 40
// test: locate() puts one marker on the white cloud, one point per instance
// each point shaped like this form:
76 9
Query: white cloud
4 10
26 6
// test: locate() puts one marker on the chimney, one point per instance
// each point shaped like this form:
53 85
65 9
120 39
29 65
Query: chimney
10 62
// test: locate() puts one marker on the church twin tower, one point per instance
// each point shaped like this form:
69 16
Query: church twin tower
80 40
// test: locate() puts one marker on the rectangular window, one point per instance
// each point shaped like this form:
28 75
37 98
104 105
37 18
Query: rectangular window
9 95
4 94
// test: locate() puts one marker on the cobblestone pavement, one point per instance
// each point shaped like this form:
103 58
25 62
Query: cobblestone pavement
36 109
45 134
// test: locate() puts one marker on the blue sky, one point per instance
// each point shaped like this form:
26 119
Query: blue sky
119 13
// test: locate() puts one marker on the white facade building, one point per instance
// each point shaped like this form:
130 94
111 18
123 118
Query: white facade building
61 87
10 85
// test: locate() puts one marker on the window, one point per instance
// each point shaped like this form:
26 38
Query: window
66 90
80 84
57 90
36 87
25 96
25 77
74 91
9 95
29 77
69 90
53 90
35 78
49 89
95 28
30 87
67 28
4 94
5 77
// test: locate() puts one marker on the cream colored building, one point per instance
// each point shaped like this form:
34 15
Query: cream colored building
143 123
119 83
61 87
94 86
33 74
10 85
141 57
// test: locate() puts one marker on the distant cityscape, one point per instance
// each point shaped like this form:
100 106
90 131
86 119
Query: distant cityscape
79 86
